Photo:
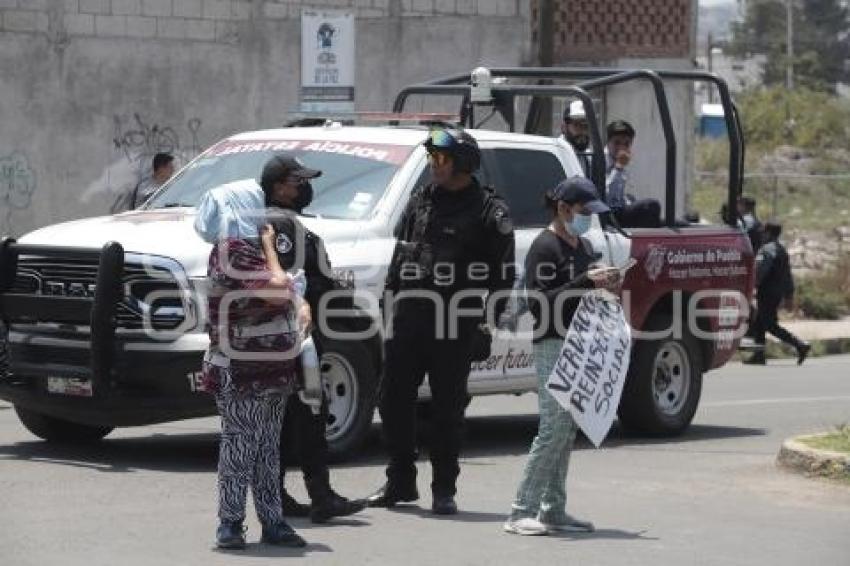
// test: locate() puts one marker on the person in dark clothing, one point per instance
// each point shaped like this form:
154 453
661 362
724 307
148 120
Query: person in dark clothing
162 169
629 212
455 241
774 286
285 182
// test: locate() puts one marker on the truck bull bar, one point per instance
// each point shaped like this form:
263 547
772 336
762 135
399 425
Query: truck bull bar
97 311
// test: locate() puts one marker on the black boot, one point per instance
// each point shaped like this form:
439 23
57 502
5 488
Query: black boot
391 494
282 534
444 505
334 505
803 350
292 508
230 535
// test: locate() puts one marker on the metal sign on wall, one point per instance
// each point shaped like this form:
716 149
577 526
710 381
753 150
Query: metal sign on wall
327 60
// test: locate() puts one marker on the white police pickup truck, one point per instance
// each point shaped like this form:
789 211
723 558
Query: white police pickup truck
143 369
105 316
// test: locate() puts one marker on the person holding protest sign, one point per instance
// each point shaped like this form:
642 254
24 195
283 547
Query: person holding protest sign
557 263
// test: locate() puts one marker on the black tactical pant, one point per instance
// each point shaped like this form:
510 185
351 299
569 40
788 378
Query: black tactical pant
303 440
767 320
411 352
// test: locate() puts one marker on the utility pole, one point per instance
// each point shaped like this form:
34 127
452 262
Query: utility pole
789 43
545 57
789 66
709 53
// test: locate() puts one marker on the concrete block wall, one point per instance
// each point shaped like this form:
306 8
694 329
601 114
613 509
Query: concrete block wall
197 20
91 89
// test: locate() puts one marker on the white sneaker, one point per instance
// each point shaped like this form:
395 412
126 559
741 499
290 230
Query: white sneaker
526 526
571 525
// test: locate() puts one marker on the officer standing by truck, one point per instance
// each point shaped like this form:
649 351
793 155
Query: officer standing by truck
454 238
286 184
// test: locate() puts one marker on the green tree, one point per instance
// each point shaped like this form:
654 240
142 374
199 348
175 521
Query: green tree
821 40
821 119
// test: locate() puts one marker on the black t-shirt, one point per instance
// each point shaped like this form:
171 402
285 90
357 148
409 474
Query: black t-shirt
552 267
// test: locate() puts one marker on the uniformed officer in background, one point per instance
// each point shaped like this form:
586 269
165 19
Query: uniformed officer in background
454 236
286 184
774 286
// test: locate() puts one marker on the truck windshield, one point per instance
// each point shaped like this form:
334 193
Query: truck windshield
354 175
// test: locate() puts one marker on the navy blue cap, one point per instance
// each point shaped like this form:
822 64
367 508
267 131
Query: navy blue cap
580 190
621 127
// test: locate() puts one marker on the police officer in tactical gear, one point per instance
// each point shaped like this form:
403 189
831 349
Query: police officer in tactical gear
774 286
286 184
455 240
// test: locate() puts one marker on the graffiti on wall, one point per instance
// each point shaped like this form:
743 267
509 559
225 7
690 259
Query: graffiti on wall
17 185
138 137
135 140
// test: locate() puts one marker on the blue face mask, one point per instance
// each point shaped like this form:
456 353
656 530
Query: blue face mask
579 224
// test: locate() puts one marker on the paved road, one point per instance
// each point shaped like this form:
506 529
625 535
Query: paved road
713 496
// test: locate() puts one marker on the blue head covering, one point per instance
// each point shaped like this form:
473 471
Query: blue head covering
234 210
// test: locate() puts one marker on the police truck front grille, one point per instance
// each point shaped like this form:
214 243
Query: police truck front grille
146 289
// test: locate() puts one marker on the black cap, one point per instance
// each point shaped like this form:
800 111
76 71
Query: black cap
281 166
581 190
620 127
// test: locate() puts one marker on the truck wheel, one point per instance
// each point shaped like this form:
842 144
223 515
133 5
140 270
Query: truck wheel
350 383
664 383
52 429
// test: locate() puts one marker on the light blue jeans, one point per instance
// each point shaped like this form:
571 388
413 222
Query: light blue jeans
542 490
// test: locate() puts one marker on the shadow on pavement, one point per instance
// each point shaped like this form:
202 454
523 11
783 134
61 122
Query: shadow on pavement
463 515
607 534
305 524
486 436
512 435
256 549
161 452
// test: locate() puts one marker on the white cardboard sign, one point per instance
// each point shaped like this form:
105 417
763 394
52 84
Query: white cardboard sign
588 375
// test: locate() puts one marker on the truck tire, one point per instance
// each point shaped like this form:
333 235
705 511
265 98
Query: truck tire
350 383
52 429
664 382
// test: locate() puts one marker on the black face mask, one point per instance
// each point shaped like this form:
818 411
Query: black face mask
304 198
580 142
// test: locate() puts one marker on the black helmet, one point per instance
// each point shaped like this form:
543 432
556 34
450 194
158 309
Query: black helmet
460 145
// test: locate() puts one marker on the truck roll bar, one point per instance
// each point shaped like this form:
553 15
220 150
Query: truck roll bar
597 162
592 78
